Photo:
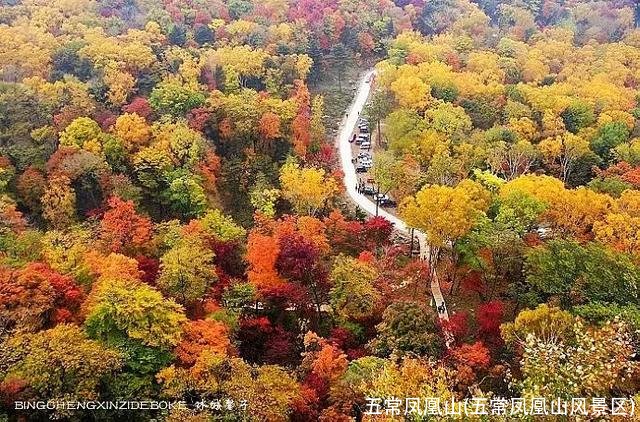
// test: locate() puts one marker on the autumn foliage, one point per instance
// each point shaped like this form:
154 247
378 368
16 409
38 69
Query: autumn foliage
175 224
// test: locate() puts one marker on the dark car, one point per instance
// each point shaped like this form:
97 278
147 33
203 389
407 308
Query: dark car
361 169
385 200
368 190
389 203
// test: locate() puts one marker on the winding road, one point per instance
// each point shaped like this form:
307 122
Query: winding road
347 128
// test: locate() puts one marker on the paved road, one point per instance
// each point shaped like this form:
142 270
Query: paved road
347 128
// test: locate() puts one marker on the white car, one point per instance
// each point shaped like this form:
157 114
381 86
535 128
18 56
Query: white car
365 145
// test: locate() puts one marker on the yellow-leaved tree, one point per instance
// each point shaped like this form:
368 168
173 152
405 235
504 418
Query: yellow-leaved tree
411 92
620 231
445 214
133 130
562 152
307 188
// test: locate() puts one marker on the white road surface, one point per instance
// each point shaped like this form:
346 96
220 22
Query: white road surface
351 180
350 176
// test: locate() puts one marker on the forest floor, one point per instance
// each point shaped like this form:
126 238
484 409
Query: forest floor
337 93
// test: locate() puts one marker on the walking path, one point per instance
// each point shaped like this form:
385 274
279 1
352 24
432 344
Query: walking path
347 128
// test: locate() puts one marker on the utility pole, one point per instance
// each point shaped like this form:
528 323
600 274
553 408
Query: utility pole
377 199
411 250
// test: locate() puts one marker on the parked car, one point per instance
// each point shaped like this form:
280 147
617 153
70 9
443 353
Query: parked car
364 128
361 168
390 203
365 145
368 190
364 156
359 140
385 201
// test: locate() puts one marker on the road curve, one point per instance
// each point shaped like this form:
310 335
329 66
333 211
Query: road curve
344 135
350 179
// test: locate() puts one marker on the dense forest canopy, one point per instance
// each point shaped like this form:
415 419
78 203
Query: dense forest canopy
174 225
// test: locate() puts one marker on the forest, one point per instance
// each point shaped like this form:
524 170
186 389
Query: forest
175 225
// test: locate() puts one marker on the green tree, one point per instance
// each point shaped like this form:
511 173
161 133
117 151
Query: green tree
177 35
81 132
186 271
117 309
449 119
222 227
170 97
353 295
185 194
577 116
387 171
609 136
494 249
140 363
186 146
150 166
519 211
575 273
58 364
612 186
239 8
601 313
377 109
403 128
408 327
